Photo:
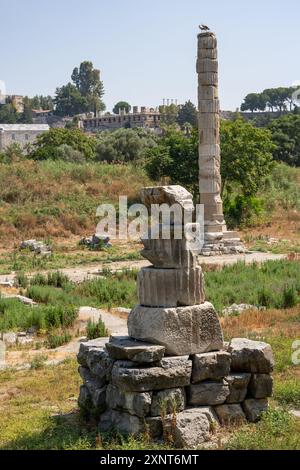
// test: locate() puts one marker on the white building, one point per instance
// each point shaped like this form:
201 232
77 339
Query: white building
21 134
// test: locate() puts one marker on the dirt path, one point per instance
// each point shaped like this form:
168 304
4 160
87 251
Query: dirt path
90 271
115 324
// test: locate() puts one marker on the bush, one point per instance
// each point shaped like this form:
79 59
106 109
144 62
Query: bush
96 330
22 280
47 144
38 361
55 340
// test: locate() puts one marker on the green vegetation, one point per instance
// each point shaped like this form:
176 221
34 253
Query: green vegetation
120 106
286 135
273 284
124 145
276 431
280 99
96 329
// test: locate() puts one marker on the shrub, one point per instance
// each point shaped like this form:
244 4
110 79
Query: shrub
38 361
55 340
96 329
289 297
22 280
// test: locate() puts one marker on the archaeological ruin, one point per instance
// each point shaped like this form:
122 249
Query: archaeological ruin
173 376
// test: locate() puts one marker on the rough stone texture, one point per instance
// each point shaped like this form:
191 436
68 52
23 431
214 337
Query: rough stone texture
134 403
209 148
125 347
238 383
169 195
152 378
192 428
213 365
207 393
261 386
96 390
85 347
123 422
170 400
167 253
182 330
253 408
100 363
159 287
230 414
251 356
84 399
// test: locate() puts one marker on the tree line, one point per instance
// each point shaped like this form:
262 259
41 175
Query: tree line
272 99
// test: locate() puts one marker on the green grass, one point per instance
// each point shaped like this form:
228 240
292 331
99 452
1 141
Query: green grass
276 431
273 284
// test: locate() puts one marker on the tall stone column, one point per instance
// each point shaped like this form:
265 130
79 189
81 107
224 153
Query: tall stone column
217 239
209 134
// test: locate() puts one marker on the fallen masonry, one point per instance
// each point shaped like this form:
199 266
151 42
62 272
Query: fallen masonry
173 377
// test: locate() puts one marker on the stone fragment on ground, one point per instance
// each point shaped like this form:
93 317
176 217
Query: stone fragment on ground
37 247
237 309
261 385
96 242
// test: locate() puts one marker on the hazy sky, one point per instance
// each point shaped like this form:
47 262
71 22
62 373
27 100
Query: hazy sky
146 49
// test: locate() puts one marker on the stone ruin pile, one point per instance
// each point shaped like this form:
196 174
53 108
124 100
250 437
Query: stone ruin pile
173 374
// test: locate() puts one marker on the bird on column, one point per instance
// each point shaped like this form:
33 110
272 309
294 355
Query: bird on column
203 27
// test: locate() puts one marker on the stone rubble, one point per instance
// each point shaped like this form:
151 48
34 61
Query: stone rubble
38 247
96 242
173 375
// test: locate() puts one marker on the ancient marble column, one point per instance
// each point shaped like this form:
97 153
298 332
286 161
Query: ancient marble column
209 134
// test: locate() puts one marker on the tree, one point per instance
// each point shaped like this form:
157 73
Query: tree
175 158
188 114
120 106
168 114
246 156
8 114
124 145
245 164
69 101
254 102
286 135
47 144
88 83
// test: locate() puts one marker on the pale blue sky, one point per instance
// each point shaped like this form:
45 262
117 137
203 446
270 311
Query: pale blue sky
146 49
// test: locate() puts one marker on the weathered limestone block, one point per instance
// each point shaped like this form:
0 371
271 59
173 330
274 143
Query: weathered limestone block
210 151
207 393
182 330
192 428
159 287
90 380
123 422
208 136
207 65
84 399
168 253
207 41
208 93
209 106
213 365
253 408
125 347
170 400
251 356
99 363
85 348
169 195
209 121
137 404
230 414
238 383
96 389
208 78
207 53
261 385
142 379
